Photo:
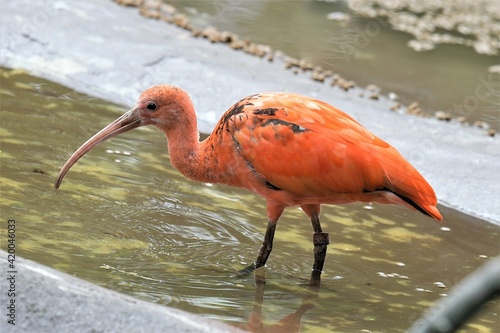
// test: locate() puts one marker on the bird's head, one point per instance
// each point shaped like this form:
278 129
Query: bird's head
160 105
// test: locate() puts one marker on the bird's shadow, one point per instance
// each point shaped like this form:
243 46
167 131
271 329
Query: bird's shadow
290 323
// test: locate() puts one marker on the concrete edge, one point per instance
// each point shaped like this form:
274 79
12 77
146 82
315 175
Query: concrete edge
37 298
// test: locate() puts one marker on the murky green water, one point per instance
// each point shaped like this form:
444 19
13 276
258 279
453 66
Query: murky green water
125 220
451 78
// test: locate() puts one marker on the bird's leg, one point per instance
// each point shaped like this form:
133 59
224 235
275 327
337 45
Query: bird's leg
267 245
264 250
273 214
320 239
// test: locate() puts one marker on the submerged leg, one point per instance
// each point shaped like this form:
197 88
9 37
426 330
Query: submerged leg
267 245
320 238
273 214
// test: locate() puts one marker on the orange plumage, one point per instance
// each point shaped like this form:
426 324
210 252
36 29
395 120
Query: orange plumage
313 152
290 149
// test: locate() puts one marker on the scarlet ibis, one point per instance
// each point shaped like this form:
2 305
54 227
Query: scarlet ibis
290 149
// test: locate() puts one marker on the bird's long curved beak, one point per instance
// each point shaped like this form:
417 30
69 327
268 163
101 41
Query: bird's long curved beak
130 120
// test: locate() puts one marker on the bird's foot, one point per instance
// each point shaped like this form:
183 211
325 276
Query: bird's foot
315 277
246 271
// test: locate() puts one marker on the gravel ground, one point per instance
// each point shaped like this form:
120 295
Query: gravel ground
464 22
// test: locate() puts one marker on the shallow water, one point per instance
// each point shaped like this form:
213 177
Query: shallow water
125 220
450 78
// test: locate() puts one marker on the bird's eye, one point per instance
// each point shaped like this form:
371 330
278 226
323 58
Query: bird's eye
151 106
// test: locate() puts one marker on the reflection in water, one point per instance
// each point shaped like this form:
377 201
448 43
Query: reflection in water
130 223
290 323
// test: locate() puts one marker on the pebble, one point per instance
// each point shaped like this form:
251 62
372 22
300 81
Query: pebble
211 33
196 33
181 21
345 84
227 37
480 124
335 80
258 50
237 44
167 13
150 8
491 132
291 62
318 69
441 115
328 73
318 76
131 3
395 107
305 65
414 109
373 88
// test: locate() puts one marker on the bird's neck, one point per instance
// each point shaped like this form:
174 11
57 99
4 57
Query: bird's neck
186 153
186 157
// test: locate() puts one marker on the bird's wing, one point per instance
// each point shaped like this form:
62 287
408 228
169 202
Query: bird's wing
309 147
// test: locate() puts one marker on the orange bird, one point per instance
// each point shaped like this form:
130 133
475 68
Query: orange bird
290 149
